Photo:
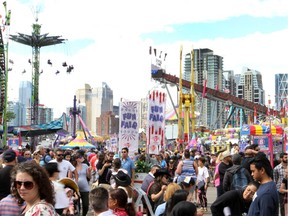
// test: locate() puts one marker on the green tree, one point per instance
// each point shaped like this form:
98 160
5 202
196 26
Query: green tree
10 116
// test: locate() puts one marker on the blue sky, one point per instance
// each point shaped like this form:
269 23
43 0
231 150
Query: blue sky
233 27
108 41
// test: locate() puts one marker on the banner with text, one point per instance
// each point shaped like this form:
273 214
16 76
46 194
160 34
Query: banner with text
114 143
129 126
156 121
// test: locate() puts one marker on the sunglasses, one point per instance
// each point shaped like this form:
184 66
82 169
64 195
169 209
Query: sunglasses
27 184
80 157
60 155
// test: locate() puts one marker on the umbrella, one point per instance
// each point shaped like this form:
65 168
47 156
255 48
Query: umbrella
78 142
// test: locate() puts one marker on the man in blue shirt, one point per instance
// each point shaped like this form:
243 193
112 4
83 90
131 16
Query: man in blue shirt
265 200
127 164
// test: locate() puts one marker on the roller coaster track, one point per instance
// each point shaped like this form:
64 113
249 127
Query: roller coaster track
2 77
213 94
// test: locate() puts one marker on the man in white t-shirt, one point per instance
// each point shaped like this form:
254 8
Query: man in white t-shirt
64 166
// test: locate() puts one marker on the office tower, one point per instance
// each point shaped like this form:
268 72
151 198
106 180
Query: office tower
18 109
207 68
281 90
229 83
25 93
97 100
45 114
250 86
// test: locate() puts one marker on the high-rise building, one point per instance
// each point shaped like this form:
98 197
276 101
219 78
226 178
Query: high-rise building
281 90
209 67
18 109
97 100
83 97
25 94
107 124
45 114
250 86
229 83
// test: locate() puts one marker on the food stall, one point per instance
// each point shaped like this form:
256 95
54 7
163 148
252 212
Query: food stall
268 140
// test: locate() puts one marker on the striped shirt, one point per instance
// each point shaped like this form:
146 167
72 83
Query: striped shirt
9 206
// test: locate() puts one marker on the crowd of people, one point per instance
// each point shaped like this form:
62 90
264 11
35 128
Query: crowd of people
74 181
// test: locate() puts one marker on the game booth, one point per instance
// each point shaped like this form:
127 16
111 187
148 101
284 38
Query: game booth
221 137
268 140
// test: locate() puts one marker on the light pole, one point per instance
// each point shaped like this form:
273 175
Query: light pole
270 140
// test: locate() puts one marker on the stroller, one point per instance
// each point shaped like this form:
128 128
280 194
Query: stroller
70 184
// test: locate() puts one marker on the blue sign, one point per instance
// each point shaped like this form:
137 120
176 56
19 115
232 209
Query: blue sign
262 142
245 130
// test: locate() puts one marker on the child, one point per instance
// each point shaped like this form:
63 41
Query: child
70 210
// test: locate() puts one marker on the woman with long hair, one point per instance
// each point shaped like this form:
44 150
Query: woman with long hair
171 188
84 173
178 196
123 181
30 183
185 168
118 202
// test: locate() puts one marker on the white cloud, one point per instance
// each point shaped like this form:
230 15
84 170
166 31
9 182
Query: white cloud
120 57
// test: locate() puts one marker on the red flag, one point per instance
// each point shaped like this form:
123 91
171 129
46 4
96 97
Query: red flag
255 115
204 89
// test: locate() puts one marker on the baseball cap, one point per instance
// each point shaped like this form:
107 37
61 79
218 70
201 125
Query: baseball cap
9 155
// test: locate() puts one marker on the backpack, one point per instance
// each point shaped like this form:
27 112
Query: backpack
239 179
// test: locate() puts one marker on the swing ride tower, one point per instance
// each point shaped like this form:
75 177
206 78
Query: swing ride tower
36 41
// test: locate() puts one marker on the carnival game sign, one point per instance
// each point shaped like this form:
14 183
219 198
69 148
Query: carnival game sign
113 143
129 126
156 121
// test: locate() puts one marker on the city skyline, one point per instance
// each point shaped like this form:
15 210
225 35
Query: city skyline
109 45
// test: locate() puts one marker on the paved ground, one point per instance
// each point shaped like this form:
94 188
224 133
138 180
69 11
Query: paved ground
211 196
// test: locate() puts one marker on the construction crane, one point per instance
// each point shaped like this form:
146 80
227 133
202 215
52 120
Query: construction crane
36 41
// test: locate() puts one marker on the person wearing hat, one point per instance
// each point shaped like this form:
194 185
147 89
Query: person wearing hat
223 166
158 187
9 160
123 180
61 199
